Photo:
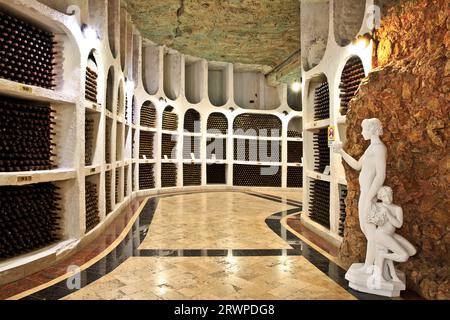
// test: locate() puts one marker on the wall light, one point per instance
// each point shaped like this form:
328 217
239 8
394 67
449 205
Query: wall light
362 41
89 33
296 86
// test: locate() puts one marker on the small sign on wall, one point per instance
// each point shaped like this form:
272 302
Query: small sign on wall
331 135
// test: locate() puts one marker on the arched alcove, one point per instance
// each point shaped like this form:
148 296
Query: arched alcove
170 119
295 127
318 97
217 123
172 74
348 19
218 91
120 99
192 121
257 124
351 78
294 99
150 67
148 115
91 92
194 79
110 89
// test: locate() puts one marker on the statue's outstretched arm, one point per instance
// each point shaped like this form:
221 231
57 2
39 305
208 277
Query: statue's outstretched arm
352 162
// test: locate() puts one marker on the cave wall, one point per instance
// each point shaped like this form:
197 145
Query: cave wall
409 92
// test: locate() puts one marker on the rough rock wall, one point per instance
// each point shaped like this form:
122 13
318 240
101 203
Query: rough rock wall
410 93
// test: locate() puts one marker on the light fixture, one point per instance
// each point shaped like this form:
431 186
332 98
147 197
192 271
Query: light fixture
296 86
362 41
89 33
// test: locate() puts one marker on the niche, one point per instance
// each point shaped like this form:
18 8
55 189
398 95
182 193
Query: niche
192 121
348 19
218 90
172 74
110 90
194 79
150 67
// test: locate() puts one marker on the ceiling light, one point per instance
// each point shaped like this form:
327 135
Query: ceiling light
296 86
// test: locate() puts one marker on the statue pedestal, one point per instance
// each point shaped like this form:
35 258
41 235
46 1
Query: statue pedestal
363 282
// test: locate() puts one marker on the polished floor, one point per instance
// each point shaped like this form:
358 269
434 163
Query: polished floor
216 245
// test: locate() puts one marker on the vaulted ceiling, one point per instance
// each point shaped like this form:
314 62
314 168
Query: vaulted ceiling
260 32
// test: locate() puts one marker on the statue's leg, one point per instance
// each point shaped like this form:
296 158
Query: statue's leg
362 216
399 254
371 246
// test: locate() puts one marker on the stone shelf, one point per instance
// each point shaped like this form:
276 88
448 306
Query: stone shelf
31 177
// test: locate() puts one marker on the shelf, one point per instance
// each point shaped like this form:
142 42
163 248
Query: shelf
217 161
23 91
257 163
295 164
217 136
318 124
90 170
92 106
257 138
169 161
147 129
295 139
109 114
191 134
169 132
190 161
146 161
30 177
318 176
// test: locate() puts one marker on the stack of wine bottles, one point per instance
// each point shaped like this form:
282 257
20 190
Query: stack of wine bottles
319 202
146 144
88 141
168 175
26 130
92 213
216 174
108 192
217 123
322 102
125 181
117 187
256 176
295 177
168 146
216 146
170 121
294 134
351 78
342 206
148 115
192 174
133 182
146 177
257 150
191 145
91 85
119 107
108 131
27 52
192 121
258 124
321 150
133 142
29 218
295 151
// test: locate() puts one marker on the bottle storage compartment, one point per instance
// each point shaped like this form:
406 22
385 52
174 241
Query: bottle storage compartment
217 147
257 125
217 123
126 170
168 175
192 174
110 90
120 110
322 102
294 99
133 143
108 199
134 111
319 202
295 151
295 128
191 145
128 141
351 78
91 143
269 150
218 90
29 218
150 67
146 145
91 79
172 74
108 140
170 119
91 199
192 121
146 176
295 177
148 115
321 150
342 208
169 146
133 177
256 176
28 53
117 191
216 174
119 141
257 150
194 79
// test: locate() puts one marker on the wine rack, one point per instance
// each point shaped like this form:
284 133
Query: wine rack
29 218
27 131
319 202
217 123
108 141
192 121
168 175
133 142
192 174
257 150
216 174
148 115
351 78
146 176
258 124
294 134
91 81
146 145
342 207
170 121
321 150
168 146
322 102
117 187
92 212
216 146
108 192
295 177
295 151
27 52
88 141
133 175
191 145
255 176
125 181
120 101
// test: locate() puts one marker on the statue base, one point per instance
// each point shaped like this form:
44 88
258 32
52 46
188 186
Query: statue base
363 282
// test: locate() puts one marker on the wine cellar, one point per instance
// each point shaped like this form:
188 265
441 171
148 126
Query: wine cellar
147 120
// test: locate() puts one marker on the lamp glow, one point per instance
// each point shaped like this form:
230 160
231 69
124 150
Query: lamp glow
89 33
296 86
